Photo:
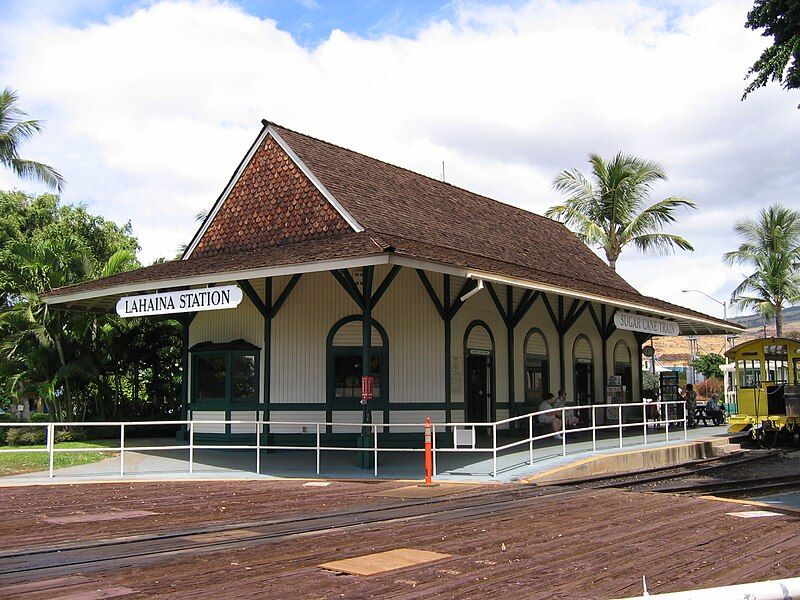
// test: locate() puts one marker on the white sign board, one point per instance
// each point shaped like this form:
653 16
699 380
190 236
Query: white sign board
651 325
217 298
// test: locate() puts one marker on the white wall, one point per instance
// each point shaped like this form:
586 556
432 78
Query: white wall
416 342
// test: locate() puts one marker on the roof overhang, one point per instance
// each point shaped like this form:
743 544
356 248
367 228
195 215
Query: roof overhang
104 300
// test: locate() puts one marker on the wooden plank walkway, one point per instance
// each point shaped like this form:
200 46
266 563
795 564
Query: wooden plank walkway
587 544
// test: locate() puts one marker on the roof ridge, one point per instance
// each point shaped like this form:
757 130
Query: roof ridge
407 170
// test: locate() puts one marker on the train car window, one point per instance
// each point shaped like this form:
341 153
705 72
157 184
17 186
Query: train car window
776 360
749 373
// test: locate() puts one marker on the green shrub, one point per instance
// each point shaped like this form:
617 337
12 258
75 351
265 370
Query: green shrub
5 418
37 417
71 435
25 436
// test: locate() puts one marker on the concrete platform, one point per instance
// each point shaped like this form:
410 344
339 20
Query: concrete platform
512 465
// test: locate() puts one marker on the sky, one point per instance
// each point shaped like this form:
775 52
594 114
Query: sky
149 106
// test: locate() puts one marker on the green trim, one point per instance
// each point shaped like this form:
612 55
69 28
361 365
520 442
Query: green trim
347 282
228 403
426 283
492 368
251 293
544 358
284 295
575 369
267 384
448 349
385 284
331 350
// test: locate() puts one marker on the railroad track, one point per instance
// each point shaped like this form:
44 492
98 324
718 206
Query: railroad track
733 487
655 474
67 559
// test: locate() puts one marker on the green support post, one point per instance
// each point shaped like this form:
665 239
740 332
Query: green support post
366 439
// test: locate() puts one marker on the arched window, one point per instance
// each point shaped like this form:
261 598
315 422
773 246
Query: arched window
345 358
622 367
479 373
583 364
537 370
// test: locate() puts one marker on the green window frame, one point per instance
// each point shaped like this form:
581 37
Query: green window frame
233 356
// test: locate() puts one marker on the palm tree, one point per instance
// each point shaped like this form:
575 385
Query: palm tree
29 324
14 130
611 209
771 247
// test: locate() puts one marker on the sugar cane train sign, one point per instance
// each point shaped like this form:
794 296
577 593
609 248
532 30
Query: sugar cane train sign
652 325
216 298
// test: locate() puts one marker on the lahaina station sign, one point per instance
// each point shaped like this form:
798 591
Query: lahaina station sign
164 303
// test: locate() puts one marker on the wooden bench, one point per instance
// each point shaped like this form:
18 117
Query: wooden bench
701 413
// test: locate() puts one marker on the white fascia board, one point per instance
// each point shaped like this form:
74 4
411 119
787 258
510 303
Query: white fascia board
145 286
592 297
351 220
543 287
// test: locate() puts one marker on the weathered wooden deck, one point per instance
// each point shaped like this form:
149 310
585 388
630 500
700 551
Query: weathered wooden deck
560 544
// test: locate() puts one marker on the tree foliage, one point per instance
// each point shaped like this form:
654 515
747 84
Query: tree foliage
709 365
780 62
611 209
771 250
83 365
15 129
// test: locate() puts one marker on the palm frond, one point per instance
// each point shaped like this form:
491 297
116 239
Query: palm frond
30 169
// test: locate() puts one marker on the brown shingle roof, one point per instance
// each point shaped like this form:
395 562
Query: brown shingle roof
392 200
417 216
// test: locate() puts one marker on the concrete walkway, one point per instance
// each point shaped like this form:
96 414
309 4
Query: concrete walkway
512 464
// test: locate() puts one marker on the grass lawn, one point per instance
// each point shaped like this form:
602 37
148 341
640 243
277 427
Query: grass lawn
28 462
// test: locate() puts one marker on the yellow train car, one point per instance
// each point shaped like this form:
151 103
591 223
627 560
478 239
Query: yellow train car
767 379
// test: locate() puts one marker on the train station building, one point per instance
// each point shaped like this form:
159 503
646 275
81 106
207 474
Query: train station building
318 266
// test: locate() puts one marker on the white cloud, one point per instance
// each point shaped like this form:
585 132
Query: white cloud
148 114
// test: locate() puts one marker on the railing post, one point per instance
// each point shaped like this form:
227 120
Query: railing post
644 420
594 429
530 439
619 420
433 447
191 447
375 442
685 422
258 447
318 450
563 432
494 450
122 449
666 419
51 441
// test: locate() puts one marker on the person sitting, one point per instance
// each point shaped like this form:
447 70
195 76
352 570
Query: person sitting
561 402
550 418
714 410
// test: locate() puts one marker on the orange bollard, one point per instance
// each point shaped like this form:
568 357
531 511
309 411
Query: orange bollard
428 451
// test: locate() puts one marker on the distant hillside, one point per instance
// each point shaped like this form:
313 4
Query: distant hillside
790 315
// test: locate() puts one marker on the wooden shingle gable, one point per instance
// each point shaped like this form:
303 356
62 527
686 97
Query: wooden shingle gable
273 199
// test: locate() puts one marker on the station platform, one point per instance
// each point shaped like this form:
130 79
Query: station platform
512 465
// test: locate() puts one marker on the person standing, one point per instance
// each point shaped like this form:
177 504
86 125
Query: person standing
690 397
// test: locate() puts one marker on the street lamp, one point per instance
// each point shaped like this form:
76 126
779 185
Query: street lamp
722 302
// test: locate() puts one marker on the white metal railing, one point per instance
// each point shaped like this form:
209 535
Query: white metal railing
374 429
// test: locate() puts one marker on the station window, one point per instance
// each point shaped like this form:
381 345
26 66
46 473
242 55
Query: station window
347 371
225 373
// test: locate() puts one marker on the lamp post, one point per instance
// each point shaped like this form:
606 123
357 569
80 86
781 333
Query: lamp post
728 339
722 302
